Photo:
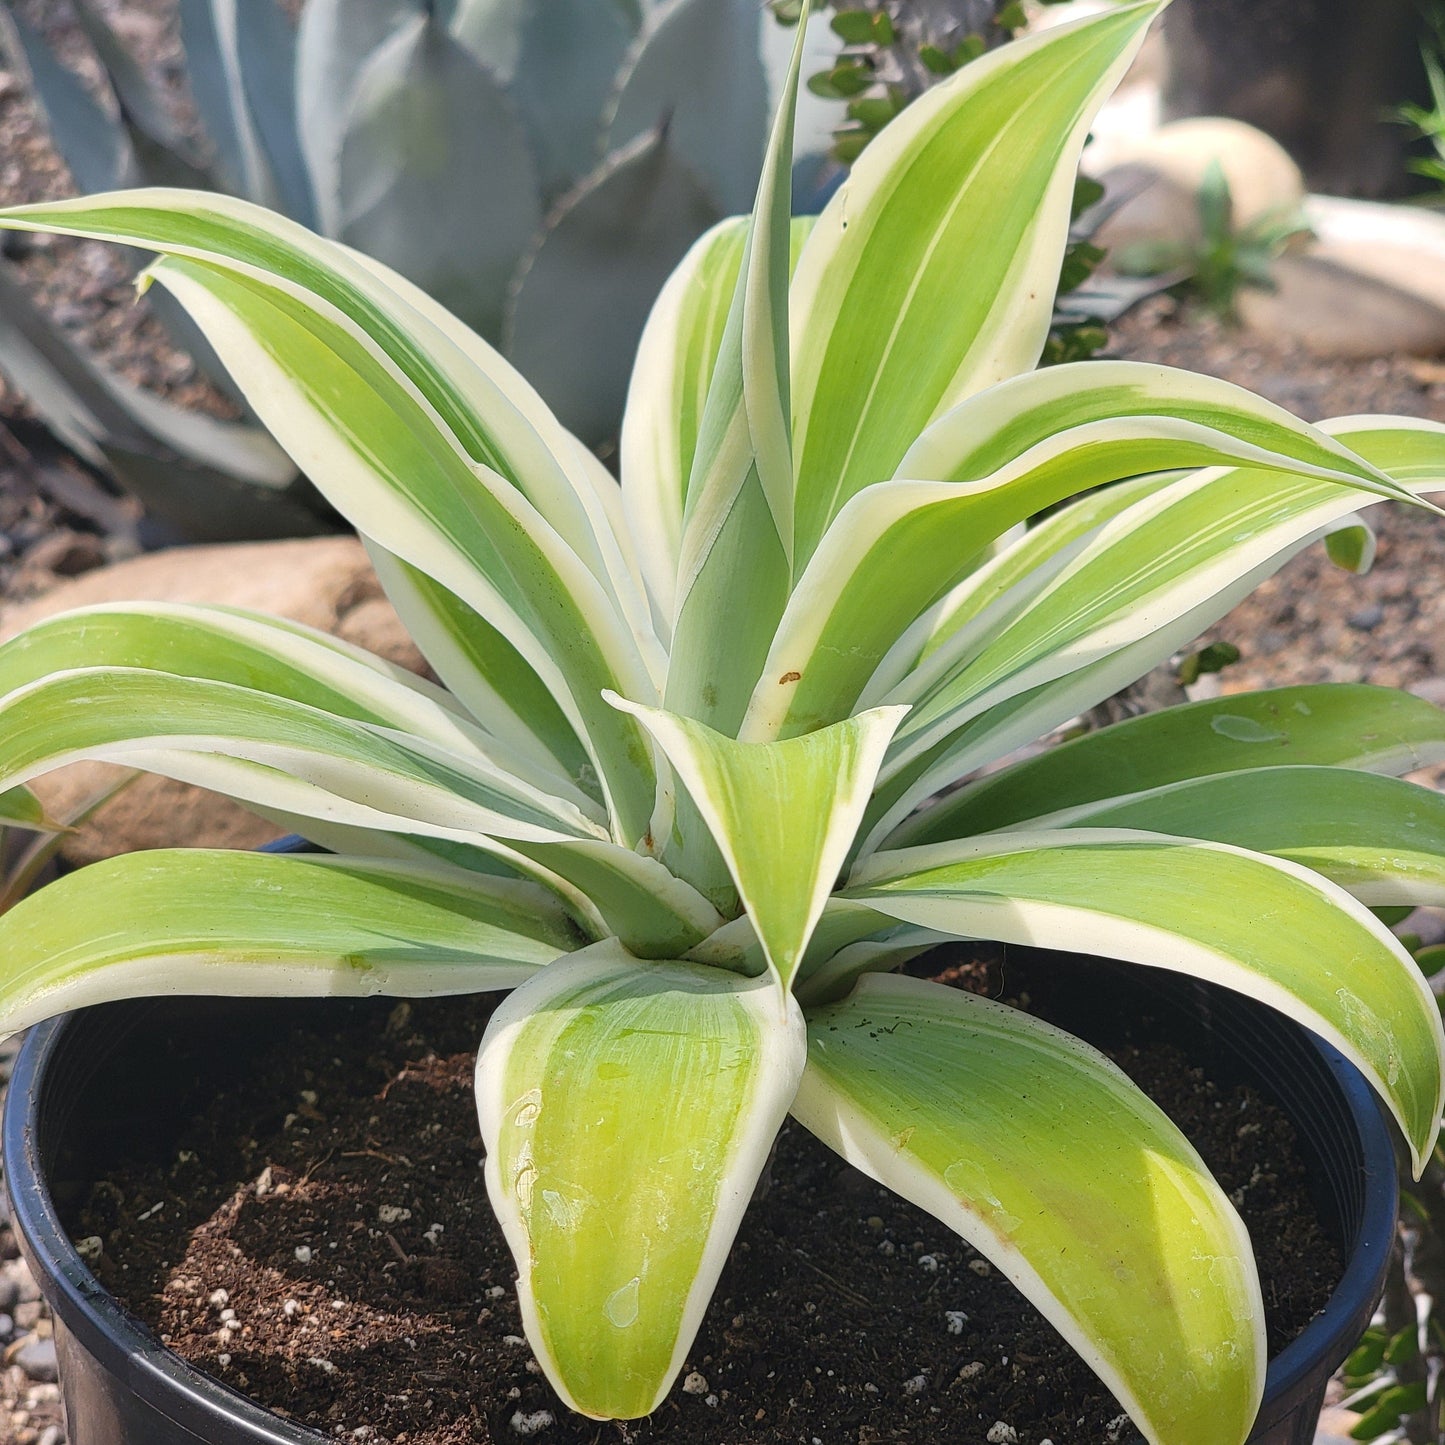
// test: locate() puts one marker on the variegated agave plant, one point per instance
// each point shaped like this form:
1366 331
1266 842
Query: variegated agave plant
677 795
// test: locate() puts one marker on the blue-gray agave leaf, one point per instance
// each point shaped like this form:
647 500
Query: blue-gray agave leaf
266 61
95 148
577 312
334 40
698 69
143 109
435 177
208 31
569 54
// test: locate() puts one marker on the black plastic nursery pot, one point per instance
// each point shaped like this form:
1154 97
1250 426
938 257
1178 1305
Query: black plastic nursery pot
123 1387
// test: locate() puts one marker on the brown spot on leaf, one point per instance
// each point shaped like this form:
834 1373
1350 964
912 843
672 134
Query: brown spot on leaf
788 677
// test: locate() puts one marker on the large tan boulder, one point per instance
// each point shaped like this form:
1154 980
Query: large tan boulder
325 582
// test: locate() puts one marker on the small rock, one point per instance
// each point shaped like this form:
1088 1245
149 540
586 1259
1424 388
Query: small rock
694 1384
1002 1433
972 1370
7 1329
534 1423
980 1267
1432 689
1366 619
90 1248
955 1321
392 1213
37 1358
1324 304
928 1263
51 1435
66 554
887 1248
303 1254
915 1386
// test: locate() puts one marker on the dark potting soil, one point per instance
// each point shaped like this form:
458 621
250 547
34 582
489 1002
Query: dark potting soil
318 1236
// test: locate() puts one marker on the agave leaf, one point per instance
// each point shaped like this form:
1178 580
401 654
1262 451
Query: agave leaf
389 469
1380 839
212 479
221 922
415 188
489 411
1045 412
697 70
263 748
650 912
484 670
1023 717
1338 725
253 650
492 30
610 892
995 460
975 178
737 526
782 814
160 147
392 468
567 59
1023 564
587 507
61 384
668 392
1151 899
238 449
581 294
334 40
213 66
1196 542
266 63
20 808
1043 1155
97 151
627 1111
666 397
818 117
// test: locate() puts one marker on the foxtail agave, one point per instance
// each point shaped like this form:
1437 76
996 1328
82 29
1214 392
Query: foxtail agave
676 794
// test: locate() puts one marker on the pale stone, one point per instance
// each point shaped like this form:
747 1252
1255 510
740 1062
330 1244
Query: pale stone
1335 312
1263 180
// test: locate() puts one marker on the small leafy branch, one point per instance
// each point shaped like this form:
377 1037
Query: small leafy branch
1428 122
1226 259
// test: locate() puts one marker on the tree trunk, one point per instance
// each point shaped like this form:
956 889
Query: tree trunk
1320 76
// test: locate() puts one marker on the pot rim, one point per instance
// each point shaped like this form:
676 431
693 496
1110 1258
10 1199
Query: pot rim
128 1348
